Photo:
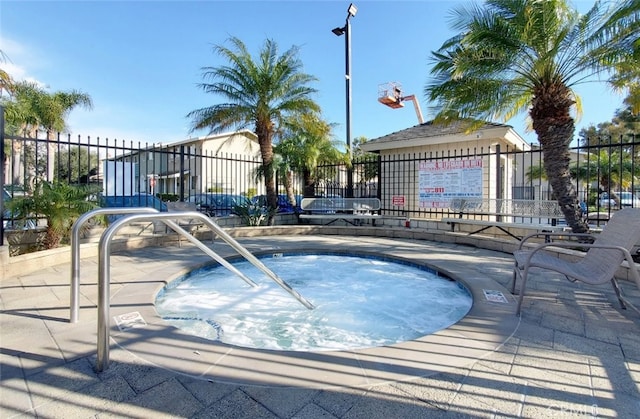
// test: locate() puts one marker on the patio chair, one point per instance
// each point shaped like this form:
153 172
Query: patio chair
191 225
604 254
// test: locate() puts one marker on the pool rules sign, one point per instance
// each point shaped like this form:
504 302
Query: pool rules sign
398 200
441 181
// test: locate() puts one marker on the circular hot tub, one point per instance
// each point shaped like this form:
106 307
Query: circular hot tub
360 302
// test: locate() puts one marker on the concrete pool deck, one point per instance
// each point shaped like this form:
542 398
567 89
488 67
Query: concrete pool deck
574 352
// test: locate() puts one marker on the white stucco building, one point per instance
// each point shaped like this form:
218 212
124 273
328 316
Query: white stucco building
403 152
219 162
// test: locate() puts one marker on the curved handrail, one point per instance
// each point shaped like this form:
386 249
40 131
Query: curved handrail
75 251
74 302
104 268
222 261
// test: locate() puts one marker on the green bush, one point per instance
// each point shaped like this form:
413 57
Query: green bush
168 197
251 214
60 203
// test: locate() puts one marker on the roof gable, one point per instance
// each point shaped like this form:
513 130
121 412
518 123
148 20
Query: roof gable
430 133
244 134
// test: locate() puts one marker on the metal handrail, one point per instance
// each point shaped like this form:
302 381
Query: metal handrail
222 261
74 303
104 273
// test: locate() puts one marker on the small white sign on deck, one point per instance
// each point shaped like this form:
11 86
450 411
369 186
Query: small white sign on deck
495 296
129 321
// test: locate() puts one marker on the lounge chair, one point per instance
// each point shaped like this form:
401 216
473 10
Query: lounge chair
605 252
191 225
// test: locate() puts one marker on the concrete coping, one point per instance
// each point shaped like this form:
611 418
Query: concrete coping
484 329
425 230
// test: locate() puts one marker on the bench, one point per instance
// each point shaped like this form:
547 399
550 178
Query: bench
191 225
332 209
528 214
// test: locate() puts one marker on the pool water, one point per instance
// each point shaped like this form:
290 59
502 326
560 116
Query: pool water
361 302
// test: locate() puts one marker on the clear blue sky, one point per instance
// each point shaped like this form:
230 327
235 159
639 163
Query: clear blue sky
140 61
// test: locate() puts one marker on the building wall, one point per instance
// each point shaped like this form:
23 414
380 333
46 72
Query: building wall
217 163
400 175
227 176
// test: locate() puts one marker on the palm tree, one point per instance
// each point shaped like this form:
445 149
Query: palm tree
259 92
309 142
283 171
628 77
59 203
610 170
517 55
626 74
20 108
52 111
32 108
6 82
21 119
367 161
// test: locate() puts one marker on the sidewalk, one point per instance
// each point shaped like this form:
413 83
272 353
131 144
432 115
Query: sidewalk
574 352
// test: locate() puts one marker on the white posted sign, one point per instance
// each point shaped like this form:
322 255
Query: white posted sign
441 181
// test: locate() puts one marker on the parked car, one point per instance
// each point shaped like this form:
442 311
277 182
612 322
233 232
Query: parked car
218 204
15 190
141 200
327 204
284 206
6 214
12 220
137 200
627 199
606 202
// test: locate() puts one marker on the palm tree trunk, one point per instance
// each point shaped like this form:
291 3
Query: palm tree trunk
552 122
554 140
53 239
17 169
51 155
266 151
288 184
309 184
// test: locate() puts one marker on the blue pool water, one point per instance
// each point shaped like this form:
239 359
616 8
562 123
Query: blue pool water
360 302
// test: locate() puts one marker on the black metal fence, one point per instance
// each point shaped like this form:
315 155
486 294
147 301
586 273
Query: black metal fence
178 172
598 167
172 172
127 168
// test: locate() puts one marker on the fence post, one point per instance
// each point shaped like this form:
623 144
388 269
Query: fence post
379 177
2 156
181 178
498 179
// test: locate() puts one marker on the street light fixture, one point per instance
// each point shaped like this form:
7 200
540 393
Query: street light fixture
352 10
346 30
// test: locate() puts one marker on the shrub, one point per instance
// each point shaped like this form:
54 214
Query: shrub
60 204
168 197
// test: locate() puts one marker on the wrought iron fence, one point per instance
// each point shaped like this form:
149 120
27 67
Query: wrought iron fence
125 169
600 169
598 166
180 171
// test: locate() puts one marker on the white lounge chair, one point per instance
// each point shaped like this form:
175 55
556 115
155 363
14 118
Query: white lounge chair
191 225
599 263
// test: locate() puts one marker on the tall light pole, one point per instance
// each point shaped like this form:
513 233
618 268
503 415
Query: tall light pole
346 30
2 203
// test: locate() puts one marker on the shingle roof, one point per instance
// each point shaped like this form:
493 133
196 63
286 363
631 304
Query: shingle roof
428 129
